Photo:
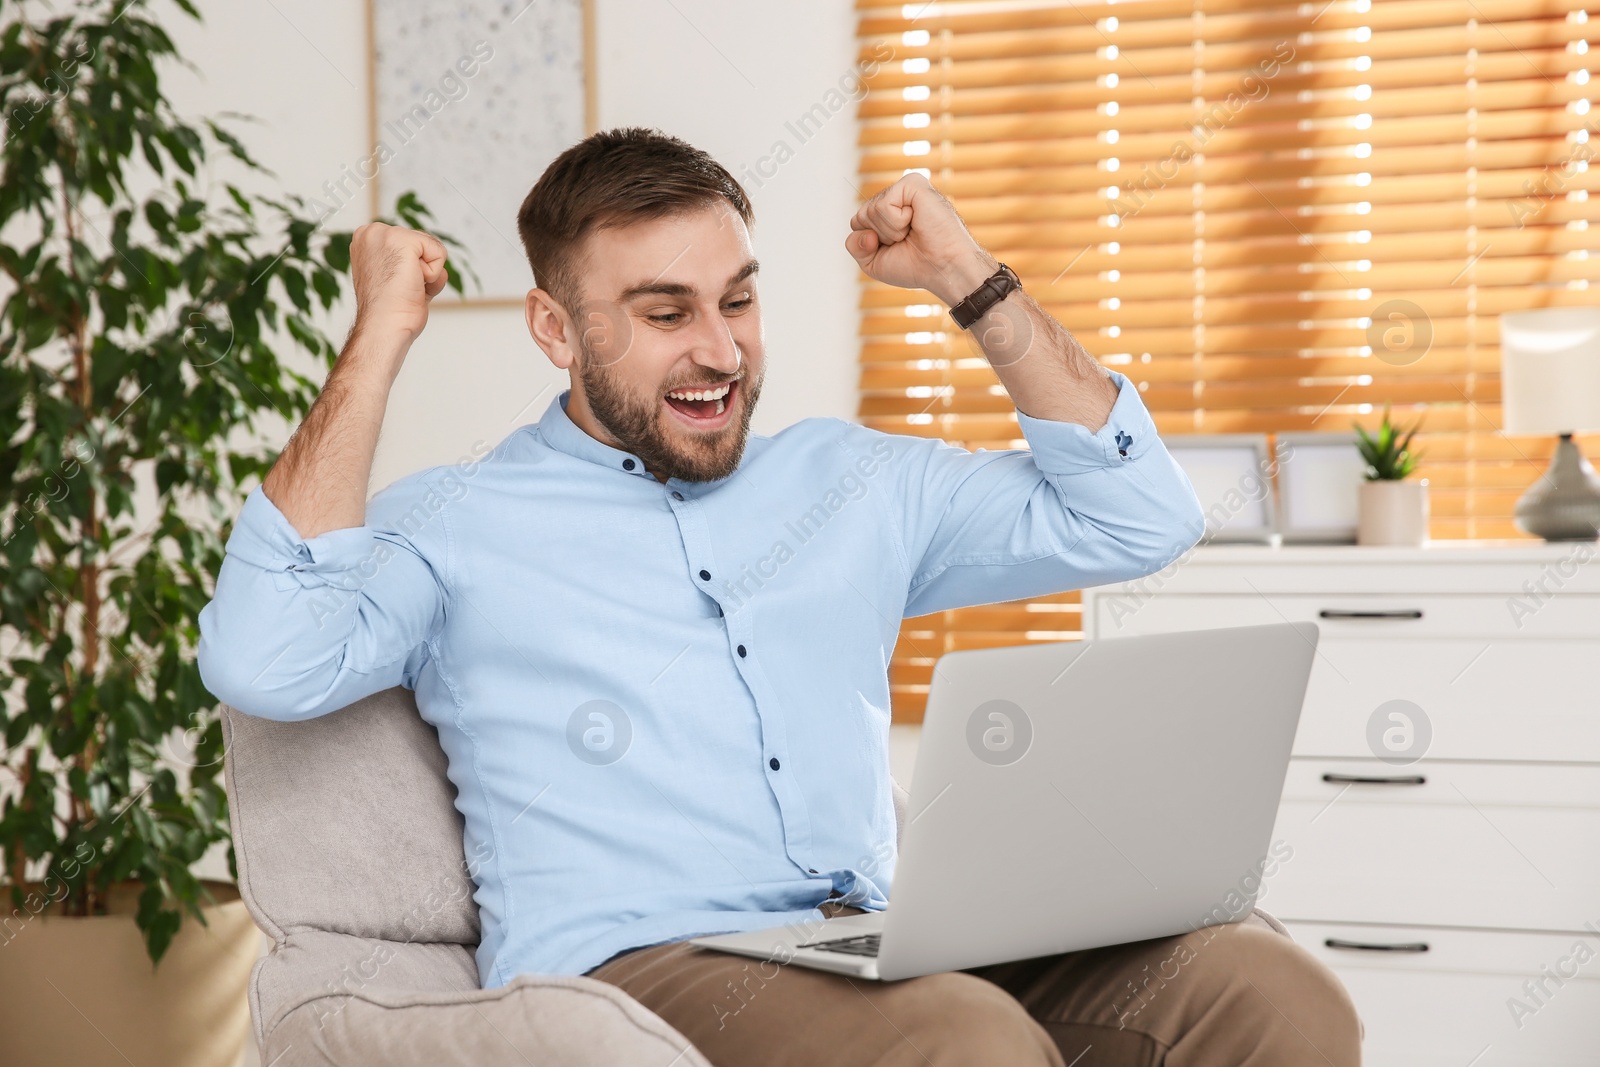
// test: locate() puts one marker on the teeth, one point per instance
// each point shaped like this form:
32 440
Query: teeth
701 394
721 405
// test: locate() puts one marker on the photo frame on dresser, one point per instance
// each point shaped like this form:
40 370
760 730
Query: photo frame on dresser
1319 480
1232 476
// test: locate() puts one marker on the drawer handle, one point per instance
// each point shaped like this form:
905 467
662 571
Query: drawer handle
1397 613
1371 946
1362 779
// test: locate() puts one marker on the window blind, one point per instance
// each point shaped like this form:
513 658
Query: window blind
1271 216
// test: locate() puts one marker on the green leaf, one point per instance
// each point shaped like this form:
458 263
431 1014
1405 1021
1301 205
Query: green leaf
1388 454
159 931
336 253
17 730
157 215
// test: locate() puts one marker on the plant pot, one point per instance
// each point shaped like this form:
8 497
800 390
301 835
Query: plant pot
1393 513
81 990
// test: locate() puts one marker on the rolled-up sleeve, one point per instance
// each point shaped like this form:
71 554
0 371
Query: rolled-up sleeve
1076 509
300 626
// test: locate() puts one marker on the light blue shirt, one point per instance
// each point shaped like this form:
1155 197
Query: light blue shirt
666 706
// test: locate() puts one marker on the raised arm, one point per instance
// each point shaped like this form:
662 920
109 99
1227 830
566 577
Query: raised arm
323 599
320 481
1097 499
909 235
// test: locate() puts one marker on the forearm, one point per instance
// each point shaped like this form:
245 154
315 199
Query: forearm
320 481
1047 373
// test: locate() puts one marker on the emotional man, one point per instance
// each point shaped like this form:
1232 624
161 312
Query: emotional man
655 647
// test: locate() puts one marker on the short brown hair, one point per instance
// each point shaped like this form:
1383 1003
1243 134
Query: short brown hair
614 178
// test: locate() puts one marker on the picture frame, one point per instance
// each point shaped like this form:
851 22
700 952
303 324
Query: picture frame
1232 476
1319 478
445 84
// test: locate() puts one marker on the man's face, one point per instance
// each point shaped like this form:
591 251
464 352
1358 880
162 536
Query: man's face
669 348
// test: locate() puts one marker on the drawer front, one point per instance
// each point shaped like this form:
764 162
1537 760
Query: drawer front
1485 690
1457 1003
1386 616
1476 698
1510 846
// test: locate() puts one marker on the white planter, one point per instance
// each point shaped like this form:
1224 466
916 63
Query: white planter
1393 513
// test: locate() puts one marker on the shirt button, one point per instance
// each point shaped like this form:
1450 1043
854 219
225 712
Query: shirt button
705 576
773 763
677 495
741 652
627 464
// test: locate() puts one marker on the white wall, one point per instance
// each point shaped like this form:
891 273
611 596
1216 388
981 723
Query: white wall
726 84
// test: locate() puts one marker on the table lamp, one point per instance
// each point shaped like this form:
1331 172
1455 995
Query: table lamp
1550 383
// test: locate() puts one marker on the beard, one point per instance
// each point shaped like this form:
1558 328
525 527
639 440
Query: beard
638 421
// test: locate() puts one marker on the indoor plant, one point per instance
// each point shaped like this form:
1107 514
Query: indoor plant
1392 509
143 309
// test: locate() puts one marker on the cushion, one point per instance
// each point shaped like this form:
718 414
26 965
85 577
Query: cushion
364 1002
320 807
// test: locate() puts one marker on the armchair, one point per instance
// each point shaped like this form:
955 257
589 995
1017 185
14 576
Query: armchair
349 854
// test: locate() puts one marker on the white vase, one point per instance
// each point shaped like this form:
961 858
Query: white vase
1393 513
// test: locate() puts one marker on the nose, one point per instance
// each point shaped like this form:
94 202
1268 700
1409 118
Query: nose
714 346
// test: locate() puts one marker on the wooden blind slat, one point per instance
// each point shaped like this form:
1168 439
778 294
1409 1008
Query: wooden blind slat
1139 36
1173 72
881 20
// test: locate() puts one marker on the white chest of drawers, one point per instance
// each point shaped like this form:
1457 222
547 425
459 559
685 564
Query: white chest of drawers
1443 802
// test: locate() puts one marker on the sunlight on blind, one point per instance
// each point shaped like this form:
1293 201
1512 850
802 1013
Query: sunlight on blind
1271 216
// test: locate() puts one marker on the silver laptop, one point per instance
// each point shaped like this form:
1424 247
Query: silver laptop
1074 795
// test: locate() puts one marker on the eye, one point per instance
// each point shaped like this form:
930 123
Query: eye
738 305
670 319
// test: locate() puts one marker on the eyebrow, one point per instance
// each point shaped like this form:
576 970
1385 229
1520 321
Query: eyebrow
680 289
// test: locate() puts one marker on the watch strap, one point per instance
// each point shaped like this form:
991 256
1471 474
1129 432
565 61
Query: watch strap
994 289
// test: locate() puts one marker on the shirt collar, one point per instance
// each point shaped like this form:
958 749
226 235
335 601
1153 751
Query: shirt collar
561 433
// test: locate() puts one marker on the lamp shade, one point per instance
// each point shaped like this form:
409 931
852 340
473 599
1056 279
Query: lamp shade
1550 370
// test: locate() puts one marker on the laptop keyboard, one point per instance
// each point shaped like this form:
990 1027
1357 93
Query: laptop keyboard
865 945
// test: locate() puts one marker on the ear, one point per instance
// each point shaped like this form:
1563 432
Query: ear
550 327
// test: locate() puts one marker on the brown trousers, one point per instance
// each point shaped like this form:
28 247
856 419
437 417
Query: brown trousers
1241 995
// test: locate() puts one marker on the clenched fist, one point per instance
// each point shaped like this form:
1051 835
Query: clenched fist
909 235
396 272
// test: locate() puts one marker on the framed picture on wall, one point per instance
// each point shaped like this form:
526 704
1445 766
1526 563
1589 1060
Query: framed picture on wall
1232 476
470 101
1319 478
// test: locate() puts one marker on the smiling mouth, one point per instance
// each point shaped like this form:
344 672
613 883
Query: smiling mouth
705 405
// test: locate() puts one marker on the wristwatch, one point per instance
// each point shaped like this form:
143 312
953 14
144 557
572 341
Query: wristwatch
995 288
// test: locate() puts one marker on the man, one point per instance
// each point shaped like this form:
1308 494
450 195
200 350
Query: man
655 647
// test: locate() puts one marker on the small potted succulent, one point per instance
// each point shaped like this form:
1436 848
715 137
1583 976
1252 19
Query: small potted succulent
1393 508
